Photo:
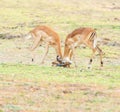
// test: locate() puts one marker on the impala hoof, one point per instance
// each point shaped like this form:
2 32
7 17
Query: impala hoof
32 59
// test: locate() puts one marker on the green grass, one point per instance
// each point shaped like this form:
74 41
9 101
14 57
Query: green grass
48 74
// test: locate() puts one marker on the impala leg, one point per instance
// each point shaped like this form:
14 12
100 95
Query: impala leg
90 45
101 55
91 59
72 53
35 45
45 54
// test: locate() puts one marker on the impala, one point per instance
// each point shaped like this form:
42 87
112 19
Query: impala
44 34
80 36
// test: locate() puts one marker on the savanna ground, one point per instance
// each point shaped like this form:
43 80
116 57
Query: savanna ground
27 86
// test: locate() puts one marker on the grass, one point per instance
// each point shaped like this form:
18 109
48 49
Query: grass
58 75
49 89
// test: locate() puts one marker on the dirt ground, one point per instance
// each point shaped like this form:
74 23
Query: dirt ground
17 51
31 97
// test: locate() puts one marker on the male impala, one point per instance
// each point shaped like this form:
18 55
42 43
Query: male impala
44 34
79 36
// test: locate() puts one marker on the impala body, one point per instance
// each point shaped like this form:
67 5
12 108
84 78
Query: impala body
45 35
80 36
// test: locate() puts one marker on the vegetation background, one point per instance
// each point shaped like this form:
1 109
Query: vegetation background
31 87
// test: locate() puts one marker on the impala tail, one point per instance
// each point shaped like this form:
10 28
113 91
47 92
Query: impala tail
28 36
93 38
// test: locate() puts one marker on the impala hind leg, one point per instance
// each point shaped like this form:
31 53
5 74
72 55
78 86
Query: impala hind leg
101 55
94 49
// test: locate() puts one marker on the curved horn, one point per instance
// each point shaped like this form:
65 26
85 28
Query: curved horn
59 59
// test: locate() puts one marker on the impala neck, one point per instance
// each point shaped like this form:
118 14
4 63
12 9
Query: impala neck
66 52
59 51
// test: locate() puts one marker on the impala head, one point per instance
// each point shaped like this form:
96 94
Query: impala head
67 60
64 62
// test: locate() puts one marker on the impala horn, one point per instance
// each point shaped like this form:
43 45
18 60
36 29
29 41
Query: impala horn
59 59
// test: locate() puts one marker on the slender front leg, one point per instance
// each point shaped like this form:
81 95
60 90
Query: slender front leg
35 45
72 53
45 54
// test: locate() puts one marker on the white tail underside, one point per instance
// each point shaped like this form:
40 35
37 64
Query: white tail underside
28 36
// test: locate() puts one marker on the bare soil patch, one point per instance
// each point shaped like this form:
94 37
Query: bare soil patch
37 97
